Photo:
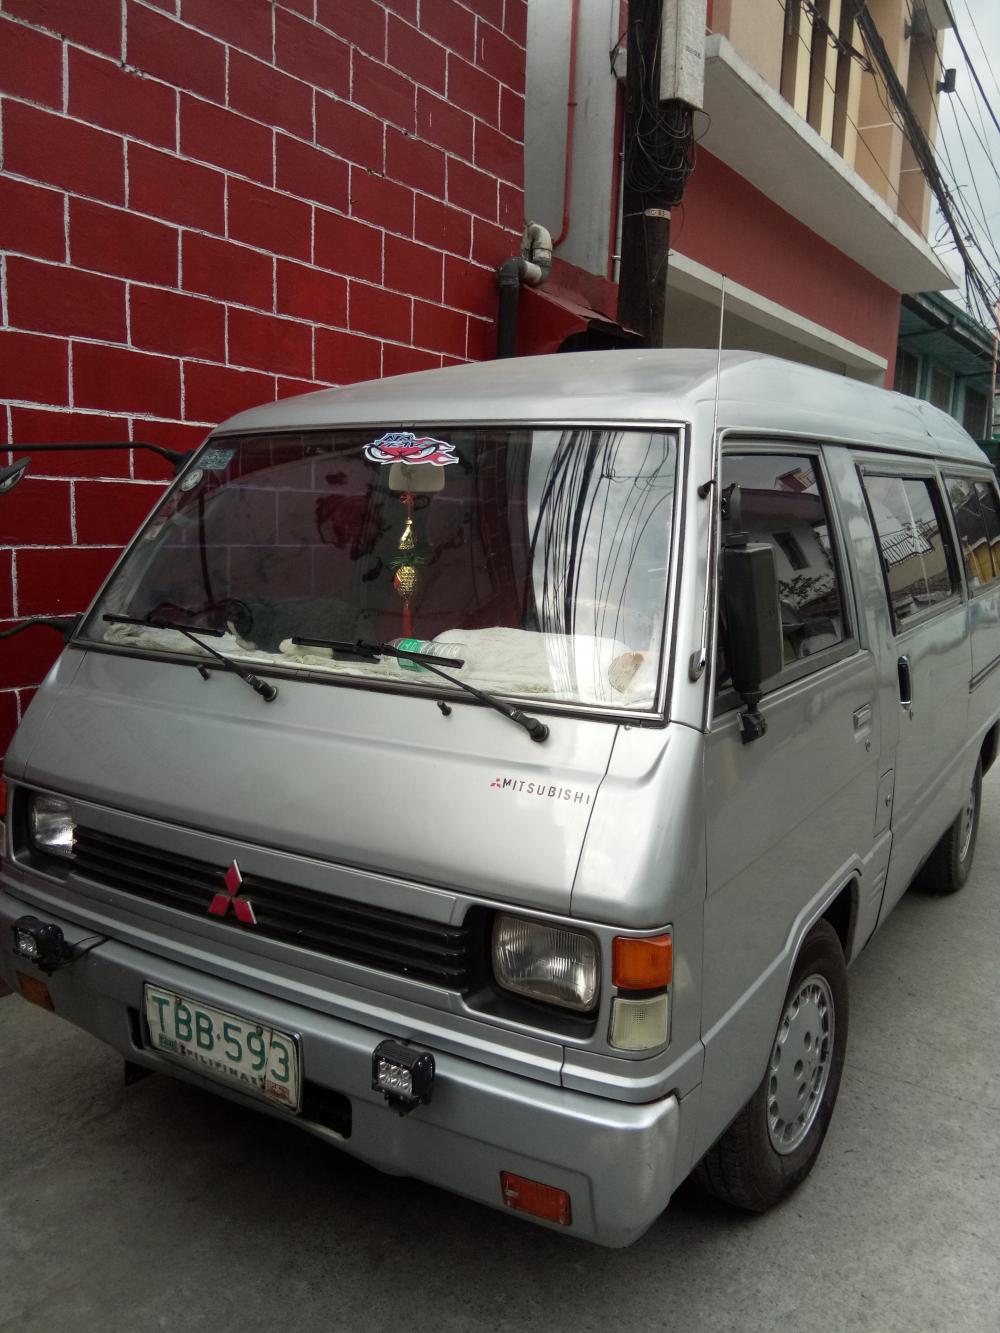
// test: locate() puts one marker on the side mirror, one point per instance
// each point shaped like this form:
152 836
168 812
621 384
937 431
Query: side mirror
753 623
10 476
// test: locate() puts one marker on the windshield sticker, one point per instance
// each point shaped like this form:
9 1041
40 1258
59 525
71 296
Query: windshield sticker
573 794
402 446
192 479
215 460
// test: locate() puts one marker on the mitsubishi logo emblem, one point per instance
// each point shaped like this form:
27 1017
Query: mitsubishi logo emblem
222 902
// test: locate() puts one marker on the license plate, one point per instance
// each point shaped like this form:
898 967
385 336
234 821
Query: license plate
247 1055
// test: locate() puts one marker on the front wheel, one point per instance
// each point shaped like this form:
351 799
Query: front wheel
771 1146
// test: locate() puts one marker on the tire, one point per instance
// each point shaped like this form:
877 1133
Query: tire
762 1157
950 863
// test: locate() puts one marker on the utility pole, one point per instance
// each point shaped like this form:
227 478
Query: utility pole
664 83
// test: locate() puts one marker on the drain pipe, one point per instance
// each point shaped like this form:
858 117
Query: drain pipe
532 266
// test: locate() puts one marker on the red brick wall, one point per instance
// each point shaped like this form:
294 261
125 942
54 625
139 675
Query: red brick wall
207 204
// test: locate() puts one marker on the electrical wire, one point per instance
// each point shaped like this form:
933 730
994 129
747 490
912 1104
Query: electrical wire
982 46
979 137
782 5
981 216
976 227
842 47
929 79
901 114
982 137
577 499
917 139
659 155
975 76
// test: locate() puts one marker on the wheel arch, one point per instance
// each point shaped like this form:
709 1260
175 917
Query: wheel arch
988 749
737 1045
842 914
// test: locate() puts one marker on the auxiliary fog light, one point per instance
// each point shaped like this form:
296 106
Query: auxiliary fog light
41 943
403 1075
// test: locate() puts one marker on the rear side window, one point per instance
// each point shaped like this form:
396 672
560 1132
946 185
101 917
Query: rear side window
778 499
978 522
919 572
991 518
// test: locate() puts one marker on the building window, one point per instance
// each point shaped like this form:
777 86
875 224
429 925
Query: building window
792 550
907 372
941 387
974 414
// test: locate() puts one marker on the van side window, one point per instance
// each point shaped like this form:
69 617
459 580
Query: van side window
778 499
991 517
974 504
918 571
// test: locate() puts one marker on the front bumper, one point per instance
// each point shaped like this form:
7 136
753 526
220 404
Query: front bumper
616 1160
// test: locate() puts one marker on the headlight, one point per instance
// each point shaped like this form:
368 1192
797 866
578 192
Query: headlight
52 826
546 962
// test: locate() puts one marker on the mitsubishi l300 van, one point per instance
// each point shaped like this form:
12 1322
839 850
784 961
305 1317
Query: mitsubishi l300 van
495 770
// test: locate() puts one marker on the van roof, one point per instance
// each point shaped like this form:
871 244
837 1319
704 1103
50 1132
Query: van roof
755 392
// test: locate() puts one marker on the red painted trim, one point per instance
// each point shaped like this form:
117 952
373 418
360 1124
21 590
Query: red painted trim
731 227
545 322
591 289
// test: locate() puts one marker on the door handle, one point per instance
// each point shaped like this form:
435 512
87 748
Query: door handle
862 717
905 683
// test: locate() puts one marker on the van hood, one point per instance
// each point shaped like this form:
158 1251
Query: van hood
380 781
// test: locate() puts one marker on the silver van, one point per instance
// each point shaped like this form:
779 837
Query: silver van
495 769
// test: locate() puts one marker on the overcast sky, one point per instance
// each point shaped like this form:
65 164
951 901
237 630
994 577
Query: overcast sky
965 122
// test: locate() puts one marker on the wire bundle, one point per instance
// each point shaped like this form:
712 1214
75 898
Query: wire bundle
659 156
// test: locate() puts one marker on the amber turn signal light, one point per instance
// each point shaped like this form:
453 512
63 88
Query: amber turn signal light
531 1196
642 964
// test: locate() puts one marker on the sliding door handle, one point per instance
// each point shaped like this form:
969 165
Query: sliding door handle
905 683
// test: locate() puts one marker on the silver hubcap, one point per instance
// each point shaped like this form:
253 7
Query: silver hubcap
799 1069
968 824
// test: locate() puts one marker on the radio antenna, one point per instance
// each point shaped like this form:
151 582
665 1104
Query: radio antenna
718 380
696 666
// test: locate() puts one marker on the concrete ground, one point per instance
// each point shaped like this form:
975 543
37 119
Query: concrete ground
161 1207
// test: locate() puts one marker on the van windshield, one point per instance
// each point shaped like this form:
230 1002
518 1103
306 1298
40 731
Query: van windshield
536 557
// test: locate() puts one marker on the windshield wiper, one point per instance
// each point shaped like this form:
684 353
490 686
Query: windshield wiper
265 689
64 624
371 652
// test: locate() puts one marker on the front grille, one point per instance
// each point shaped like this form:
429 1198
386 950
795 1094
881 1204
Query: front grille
393 942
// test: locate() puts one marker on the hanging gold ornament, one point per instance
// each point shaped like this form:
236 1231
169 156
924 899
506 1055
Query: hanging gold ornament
406 542
405 578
